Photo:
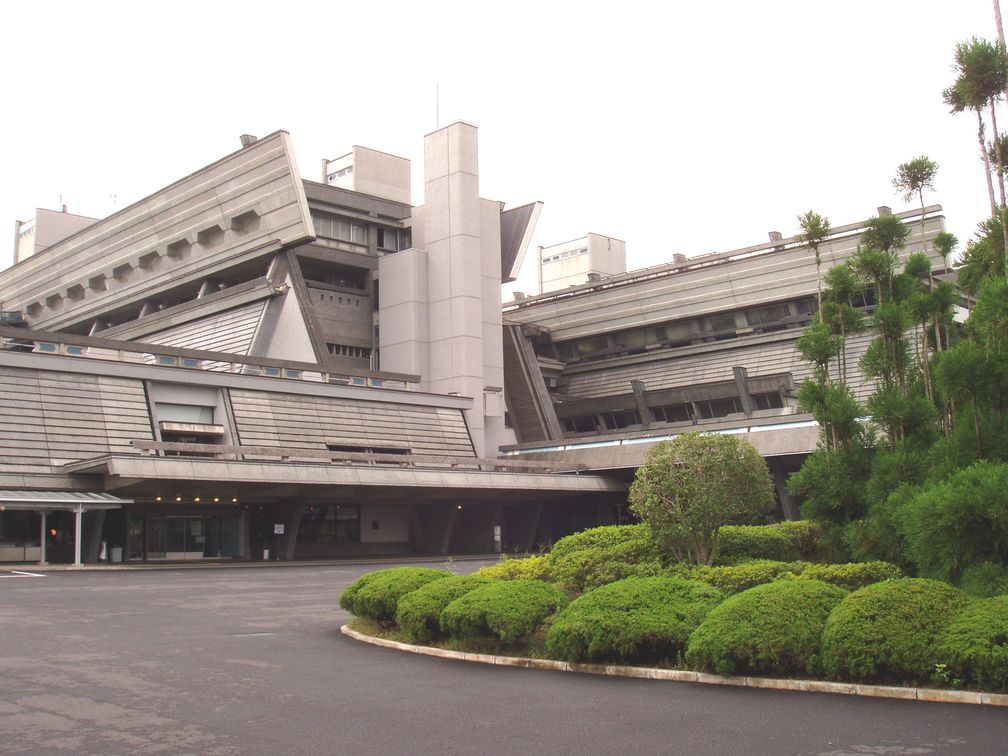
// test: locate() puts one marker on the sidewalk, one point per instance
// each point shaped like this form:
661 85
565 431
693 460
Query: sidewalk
211 564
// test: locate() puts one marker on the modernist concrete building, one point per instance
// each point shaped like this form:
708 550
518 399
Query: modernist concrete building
246 361
250 363
599 372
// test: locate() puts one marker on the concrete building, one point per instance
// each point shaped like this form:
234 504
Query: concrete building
249 364
579 261
599 372
246 362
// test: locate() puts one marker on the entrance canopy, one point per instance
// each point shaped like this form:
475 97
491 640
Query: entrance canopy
37 501
77 502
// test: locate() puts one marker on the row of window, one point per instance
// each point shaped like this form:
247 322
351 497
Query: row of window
681 412
340 173
347 232
331 227
680 333
565 255
345 350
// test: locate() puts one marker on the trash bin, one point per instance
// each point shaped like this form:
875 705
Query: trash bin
115 554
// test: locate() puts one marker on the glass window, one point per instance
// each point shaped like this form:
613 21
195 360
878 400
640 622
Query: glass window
330 523
184 413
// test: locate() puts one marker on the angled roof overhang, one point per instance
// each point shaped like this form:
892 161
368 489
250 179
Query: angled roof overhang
517 225
65 500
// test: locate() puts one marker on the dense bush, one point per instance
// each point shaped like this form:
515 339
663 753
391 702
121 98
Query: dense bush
954 524
770 629
529 568
853 575
378 596
984 580
975 646
635 539
419 612
755 542
589 568
504 609
602 555
691 486
636 619
804 534
739 577
889 631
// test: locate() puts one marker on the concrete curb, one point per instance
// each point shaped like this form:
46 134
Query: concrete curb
678 675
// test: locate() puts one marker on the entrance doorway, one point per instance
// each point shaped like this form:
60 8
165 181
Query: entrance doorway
184 537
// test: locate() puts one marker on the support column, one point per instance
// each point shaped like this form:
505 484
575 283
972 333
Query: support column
95 537
78 533
640 398
449 527
293 525
42 552
533 528
788 503
742 384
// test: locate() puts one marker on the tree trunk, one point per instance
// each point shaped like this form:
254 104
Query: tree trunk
976 428
986 161
999 158
1000 31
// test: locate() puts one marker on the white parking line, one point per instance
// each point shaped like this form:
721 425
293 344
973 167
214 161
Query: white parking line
19 573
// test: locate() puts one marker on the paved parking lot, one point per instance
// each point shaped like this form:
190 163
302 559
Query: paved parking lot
250 660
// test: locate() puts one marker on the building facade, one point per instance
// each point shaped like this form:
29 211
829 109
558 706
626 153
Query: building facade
247 364
252 363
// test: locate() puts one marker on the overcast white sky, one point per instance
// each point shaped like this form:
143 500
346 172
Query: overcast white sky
679 127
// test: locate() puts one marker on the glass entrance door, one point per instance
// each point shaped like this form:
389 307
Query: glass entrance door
185 538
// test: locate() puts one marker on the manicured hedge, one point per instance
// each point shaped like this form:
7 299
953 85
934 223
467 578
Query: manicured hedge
635 620
529 568
503 609
889 631
589 568
975 645
853 575
739 577
419 612
602 555
633 539
376 595
773 629
755 542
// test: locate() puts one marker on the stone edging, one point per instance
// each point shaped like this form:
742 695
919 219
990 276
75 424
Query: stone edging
678 675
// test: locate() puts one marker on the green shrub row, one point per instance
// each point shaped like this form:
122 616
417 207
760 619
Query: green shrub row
505 609
635 619
376 595
908 630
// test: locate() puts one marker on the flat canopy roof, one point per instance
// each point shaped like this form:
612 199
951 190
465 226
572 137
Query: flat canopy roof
68 500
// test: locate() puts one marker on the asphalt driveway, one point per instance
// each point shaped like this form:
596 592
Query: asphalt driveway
251 660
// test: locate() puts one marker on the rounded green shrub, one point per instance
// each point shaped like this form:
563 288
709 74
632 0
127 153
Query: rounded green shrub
984 580
888 632
378 597
347 597
419 612
529 568
774 629
632 539
636 619
853 575
589 568
975 645
739 577
755 542
503 609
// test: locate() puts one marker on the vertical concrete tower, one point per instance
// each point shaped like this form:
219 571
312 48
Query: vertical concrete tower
439 305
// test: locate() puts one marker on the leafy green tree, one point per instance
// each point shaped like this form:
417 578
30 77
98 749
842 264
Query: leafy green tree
690 486
815 229
980 74
984 255
912 179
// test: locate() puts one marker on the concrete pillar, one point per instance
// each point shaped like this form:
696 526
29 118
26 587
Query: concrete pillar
42 554
292 526
78 533
640 398
741 383
788 504
449 527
